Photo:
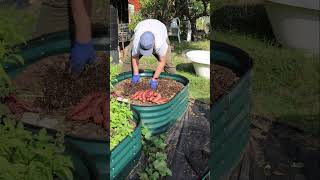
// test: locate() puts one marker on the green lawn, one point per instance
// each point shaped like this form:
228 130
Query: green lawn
286 83
199 87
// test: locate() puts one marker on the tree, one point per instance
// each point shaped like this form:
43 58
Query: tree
165 10
193 10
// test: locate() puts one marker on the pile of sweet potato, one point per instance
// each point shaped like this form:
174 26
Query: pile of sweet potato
93 107
149 96
18 106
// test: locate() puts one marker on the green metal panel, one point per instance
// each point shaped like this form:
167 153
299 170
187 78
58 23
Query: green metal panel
158 118
126 154
229 116
89 155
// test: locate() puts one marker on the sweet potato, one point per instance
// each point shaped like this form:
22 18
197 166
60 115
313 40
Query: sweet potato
18 106
148 92
156 99
151 94
28 107
14 108
98 118
104 109
83 115
144 96
151 99
105 125
162 100
140 93
166 99
136 95
86 107
84 103
95 109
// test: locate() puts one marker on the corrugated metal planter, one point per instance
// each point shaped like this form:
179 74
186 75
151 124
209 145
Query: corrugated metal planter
126 155
230 119
89 155
159 118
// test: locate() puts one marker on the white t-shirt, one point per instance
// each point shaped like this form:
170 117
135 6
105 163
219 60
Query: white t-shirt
159 31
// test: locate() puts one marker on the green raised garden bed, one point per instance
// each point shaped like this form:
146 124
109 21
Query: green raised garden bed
159 118
126 154
89 155
230 114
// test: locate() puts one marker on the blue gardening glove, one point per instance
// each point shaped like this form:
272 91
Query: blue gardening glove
135 79
81 54
153 84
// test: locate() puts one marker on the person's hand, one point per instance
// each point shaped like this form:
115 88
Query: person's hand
81 54
135 79
153 83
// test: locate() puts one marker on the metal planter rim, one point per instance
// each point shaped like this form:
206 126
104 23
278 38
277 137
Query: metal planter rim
240 54
149 73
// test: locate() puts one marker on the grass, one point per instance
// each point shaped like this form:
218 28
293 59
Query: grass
199 88
286 83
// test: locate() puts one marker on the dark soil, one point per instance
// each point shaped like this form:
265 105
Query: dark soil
167 88
283 152
62 91
48 84
223 80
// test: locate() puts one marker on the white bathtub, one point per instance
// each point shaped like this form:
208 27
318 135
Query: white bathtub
201 62
296 23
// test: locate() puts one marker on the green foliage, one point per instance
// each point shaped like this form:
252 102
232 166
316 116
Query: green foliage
197 8
25 156
120 127
154 148
9 36
220 3
203 23
114 71
120 114
157 9
285 84
136 18
166 10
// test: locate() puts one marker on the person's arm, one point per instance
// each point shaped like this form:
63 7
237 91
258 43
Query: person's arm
88 6
81 15
162 63
135 65
82 52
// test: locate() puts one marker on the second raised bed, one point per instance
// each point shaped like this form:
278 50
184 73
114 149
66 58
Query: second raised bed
126 154
230 114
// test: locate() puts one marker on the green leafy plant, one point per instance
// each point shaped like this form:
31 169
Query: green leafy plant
113 73
120 115
9 36
154 149
24 155
136 18
120 127
165 10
